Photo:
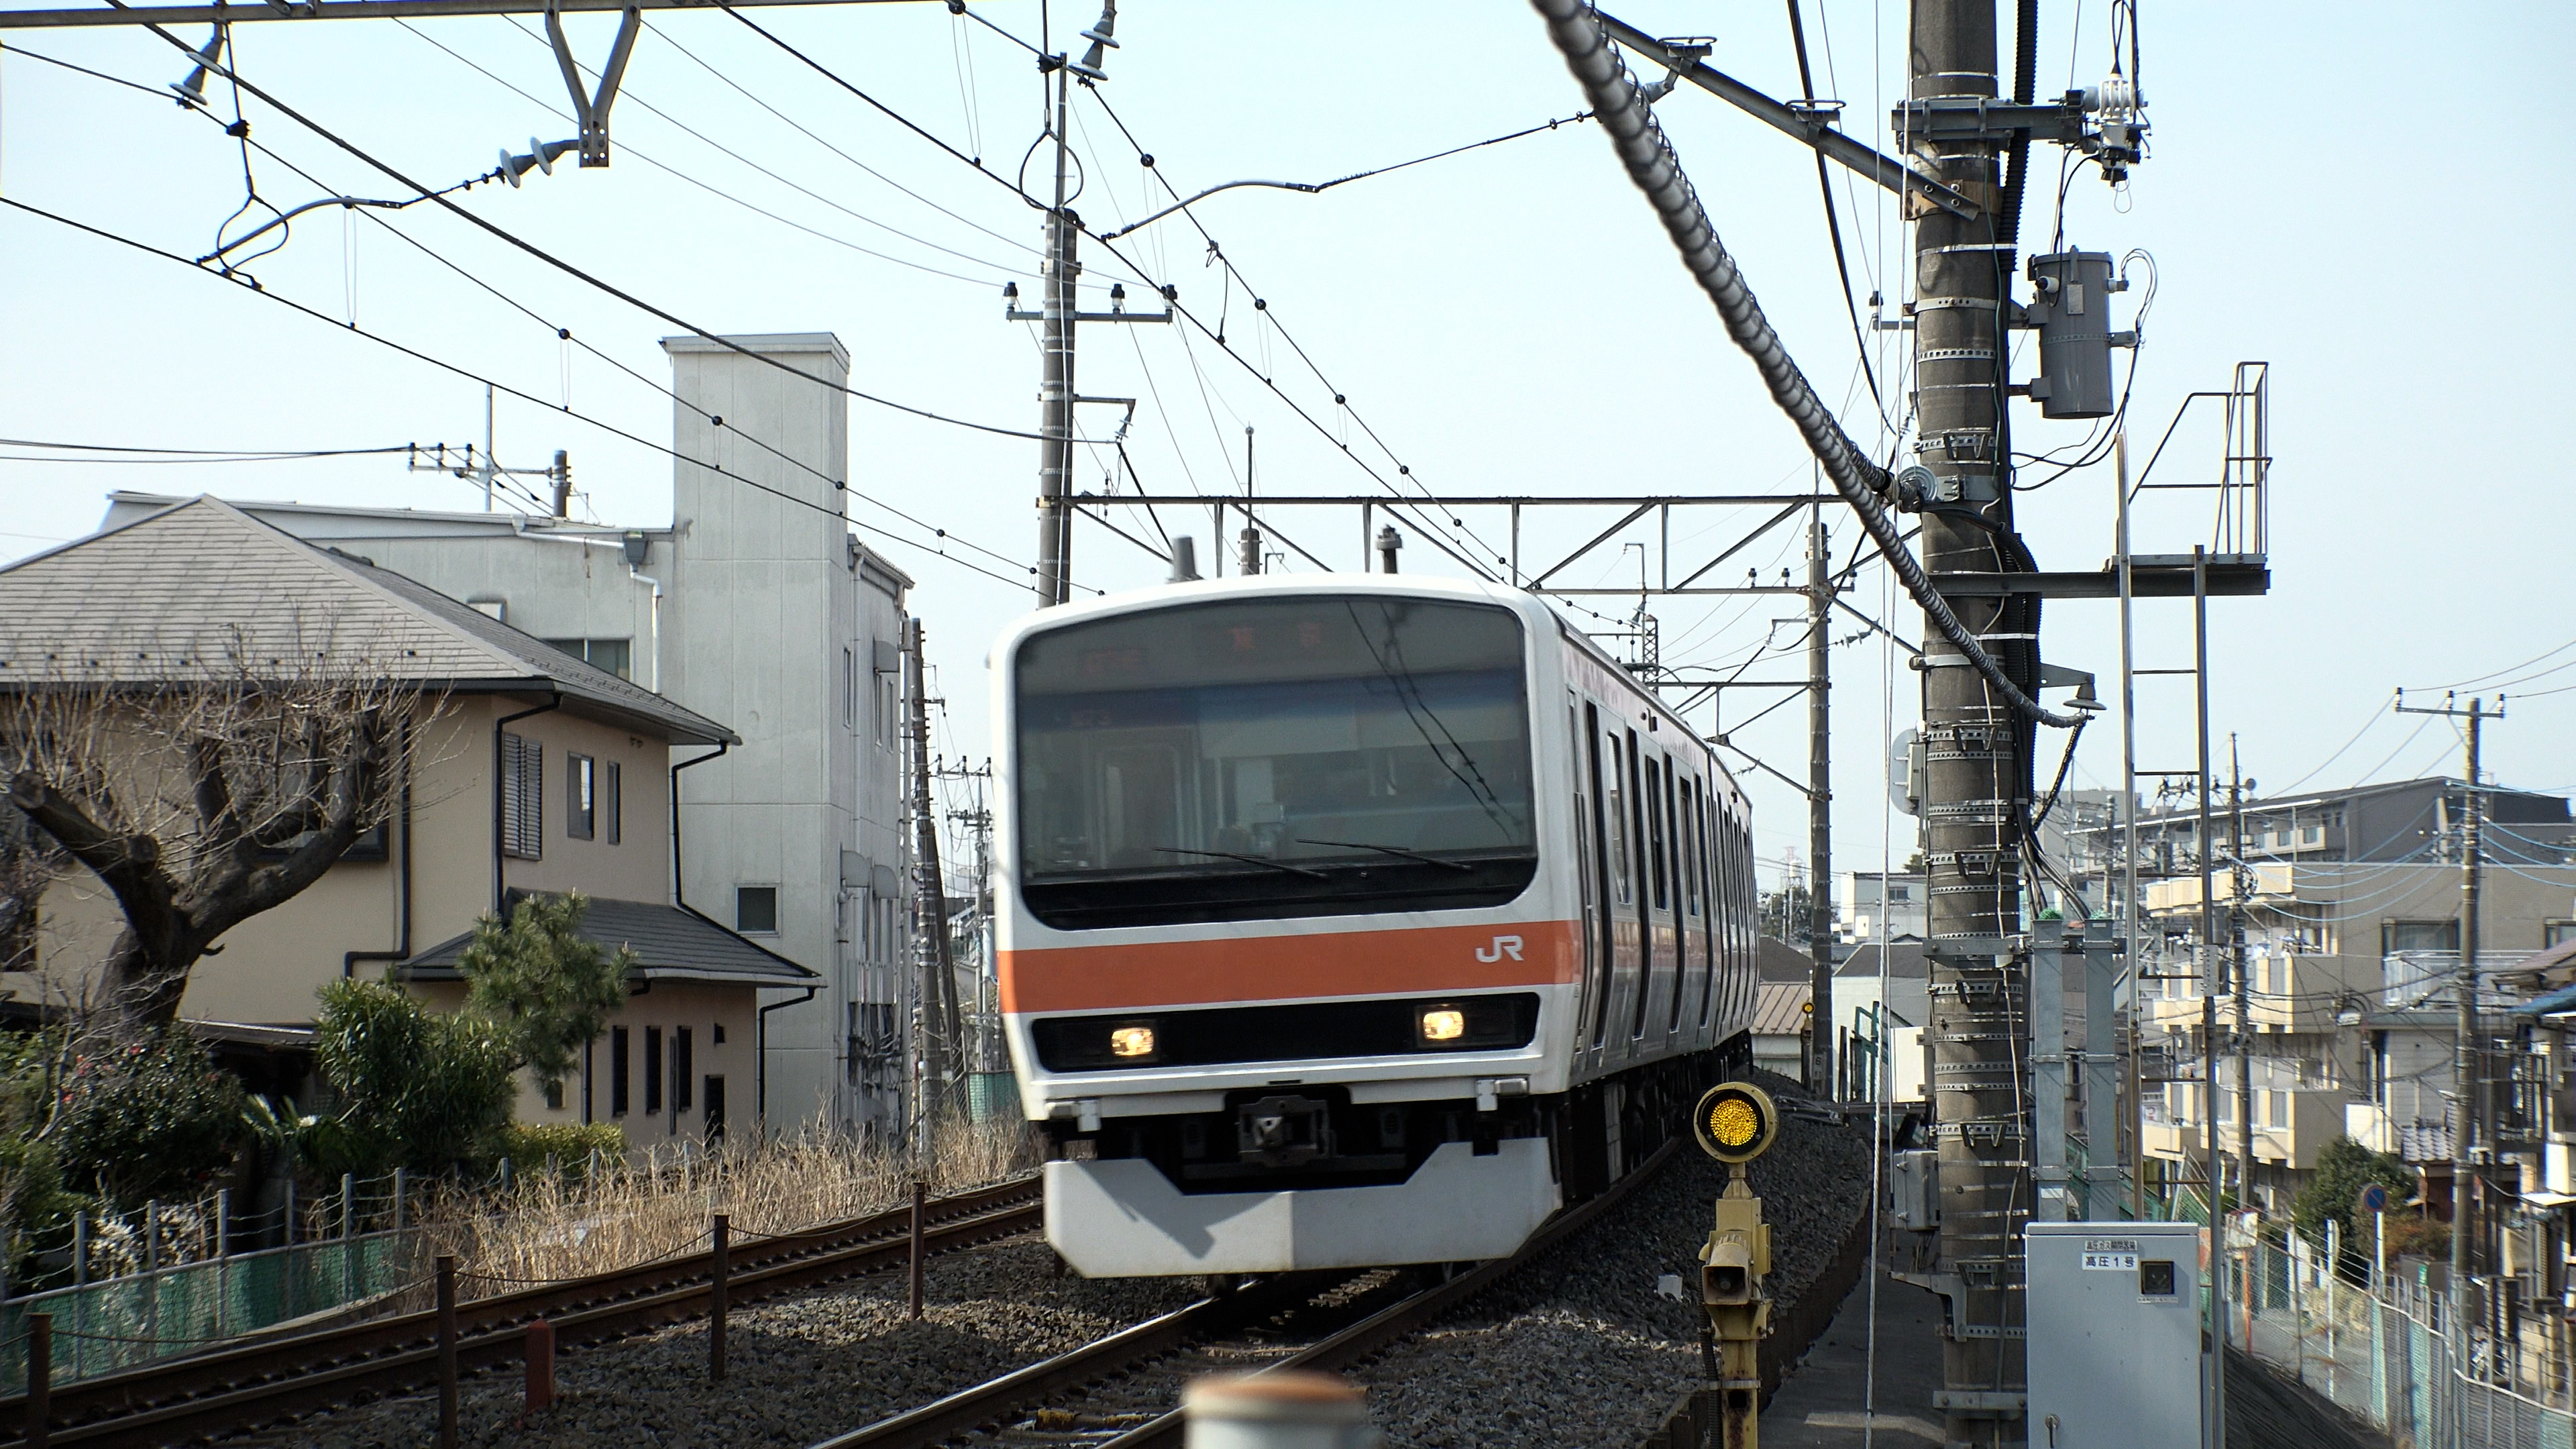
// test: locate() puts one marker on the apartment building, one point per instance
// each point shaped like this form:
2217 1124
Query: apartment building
759 605
2351 921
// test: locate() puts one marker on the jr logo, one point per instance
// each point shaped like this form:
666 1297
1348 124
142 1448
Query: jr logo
1503 946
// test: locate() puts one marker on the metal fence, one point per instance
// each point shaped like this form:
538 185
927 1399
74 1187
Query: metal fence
2390 1357
122 1323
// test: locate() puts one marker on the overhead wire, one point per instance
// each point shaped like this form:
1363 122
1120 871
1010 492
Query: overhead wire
628 148
565 334
468 373
578 273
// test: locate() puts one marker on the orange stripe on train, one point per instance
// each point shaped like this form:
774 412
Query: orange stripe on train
1271 968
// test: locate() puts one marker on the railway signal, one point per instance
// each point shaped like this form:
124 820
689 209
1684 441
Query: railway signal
1736 1122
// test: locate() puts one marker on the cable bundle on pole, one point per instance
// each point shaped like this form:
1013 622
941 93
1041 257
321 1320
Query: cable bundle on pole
1639 139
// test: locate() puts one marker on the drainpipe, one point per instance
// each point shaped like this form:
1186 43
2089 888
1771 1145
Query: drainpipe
520 526
402 880
760 1054
679 887
553 702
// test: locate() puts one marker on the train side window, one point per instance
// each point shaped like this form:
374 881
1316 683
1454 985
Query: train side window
1658 785
1614 802
1708 925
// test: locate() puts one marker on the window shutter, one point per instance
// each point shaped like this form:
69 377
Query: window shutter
523 811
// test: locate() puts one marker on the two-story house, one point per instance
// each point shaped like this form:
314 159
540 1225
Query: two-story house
535 772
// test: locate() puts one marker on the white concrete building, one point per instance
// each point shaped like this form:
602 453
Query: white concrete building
757 605
1871 901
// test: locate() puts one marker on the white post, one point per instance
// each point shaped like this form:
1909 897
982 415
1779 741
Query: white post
2379 1258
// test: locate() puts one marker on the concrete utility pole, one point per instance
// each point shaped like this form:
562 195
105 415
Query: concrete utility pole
1058 312
2465 1085
2240 885
1973 778
1055 386
1820 813
934 1013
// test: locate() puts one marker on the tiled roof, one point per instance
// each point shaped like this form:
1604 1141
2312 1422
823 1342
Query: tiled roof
670 944
187 592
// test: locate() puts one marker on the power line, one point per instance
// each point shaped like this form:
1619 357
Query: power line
471 375
565 334
559 264
201 455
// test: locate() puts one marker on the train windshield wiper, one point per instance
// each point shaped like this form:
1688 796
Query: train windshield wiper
1394 850
1249 859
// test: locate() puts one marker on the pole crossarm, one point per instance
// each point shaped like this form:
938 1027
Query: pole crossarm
1639 501
362 10
1810 125
1757 762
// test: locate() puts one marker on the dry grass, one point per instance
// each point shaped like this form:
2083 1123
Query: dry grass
551 1227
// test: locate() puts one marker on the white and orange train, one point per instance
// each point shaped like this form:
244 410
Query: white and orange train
1351 920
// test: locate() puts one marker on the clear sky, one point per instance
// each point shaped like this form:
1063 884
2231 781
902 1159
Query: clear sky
2373 198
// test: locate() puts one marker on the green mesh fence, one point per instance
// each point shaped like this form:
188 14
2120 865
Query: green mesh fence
122 1323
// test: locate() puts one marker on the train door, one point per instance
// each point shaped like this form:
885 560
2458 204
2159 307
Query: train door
1676 798
1591 869
1695 934
1640 784
1711 928
1610 767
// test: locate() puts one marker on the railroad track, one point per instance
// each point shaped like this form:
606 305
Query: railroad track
1322 1321
182 1400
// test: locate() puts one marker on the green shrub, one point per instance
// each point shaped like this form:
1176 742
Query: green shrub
529 1145
2344 1167
150 1119
418 1089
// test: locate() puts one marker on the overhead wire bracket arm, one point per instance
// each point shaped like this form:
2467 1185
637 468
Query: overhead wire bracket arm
1807 124
591 110
1579 34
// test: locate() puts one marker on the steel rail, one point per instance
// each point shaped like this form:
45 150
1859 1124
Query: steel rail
969 1409
250 1385
1396 1321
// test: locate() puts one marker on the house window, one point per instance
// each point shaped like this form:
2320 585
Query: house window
2396 936
612 802
652 1070
2313 835
554 1096
850 687
755 909
617 656
581 776
718 1029
2557 933
2280 1109
1900 893
619 1046
683 1068
889 706
523 797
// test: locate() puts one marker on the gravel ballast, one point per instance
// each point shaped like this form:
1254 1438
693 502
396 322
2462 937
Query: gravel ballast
1576 1349
798 1370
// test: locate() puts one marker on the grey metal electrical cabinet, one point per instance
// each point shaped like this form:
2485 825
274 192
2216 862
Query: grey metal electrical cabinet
2115 1336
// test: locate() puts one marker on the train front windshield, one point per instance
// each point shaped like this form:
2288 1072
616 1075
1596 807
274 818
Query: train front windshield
1321 755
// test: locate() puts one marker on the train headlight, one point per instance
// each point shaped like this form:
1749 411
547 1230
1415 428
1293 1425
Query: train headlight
1443 1024
1131 1043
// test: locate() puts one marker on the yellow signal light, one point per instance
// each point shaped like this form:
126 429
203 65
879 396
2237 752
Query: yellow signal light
1735 1122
